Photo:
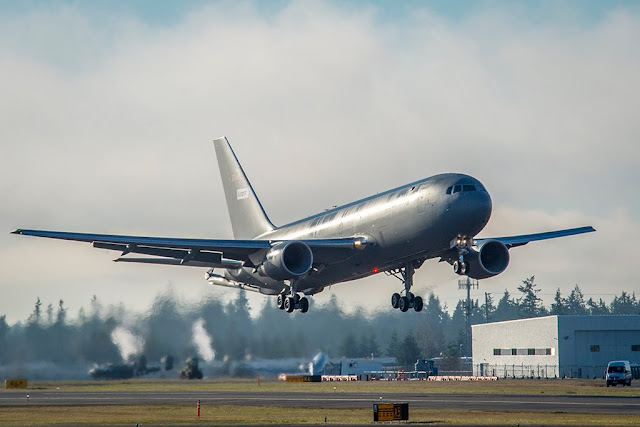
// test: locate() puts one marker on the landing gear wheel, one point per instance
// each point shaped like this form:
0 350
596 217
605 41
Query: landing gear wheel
288 304
296 299
460 267
417 304
395 300
404 304
304 305
281 301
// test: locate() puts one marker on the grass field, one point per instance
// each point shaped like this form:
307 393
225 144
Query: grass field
185 414
229 414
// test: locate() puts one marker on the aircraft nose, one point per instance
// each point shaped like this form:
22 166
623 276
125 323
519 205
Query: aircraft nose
475 210
483 207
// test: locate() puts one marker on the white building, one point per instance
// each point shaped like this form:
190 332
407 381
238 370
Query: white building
554 346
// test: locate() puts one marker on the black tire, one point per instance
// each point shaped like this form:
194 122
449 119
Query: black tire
296 299
456 267
418 304
304 305
464 268
281 301
395 300
411 296
404 304
288 304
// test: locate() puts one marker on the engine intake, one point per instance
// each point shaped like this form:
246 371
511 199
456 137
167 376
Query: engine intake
487 260
287 260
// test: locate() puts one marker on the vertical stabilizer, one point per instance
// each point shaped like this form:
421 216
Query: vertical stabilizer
248 218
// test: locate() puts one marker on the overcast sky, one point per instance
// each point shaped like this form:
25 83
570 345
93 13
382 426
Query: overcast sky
108 110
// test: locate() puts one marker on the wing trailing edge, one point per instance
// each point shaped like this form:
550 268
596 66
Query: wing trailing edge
194 252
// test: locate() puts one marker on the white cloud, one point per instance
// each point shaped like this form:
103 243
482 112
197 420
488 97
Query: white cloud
106 126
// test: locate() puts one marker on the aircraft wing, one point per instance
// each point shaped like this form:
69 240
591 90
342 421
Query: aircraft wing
192 252
513 241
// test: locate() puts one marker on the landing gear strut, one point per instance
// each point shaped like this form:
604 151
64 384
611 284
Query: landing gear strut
293 301
404 303
462 243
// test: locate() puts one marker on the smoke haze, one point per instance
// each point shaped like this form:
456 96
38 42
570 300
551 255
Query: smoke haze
202 340
127 342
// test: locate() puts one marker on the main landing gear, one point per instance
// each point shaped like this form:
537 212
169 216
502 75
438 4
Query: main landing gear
404 303
292 301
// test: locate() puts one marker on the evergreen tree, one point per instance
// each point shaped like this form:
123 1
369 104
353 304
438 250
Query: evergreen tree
4 331
432 327
559 305
393 348
597 308
350 347
530 305
575 302
624 304
507 308
36 315
409 351
61 316
49 314
488 308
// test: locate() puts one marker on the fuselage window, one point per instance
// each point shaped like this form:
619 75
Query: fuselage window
449 190
468 187
457 189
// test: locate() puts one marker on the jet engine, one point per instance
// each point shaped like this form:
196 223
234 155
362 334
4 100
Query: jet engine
287 260
487 260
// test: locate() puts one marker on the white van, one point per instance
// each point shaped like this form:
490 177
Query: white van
619 372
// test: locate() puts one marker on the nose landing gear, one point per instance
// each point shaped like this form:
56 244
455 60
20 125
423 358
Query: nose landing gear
462 244
409 300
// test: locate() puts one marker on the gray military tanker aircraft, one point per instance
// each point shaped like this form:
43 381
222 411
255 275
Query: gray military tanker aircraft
392 232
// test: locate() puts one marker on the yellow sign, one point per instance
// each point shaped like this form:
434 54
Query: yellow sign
391 412
15 383
385 412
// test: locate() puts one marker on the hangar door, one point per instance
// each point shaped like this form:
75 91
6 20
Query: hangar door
597 348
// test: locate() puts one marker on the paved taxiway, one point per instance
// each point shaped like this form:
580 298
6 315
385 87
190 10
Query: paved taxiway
545 403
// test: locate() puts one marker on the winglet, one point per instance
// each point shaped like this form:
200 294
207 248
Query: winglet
18 231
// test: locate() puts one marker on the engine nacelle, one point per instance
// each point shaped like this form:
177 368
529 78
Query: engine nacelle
287 260
487 260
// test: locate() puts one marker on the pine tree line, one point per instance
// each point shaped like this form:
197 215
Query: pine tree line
167 329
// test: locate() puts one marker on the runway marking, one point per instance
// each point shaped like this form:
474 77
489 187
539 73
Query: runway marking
34 398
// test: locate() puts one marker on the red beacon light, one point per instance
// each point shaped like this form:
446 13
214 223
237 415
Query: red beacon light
375 270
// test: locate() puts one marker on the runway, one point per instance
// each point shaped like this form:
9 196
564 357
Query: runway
491 402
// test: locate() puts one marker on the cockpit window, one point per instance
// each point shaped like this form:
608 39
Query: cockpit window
449 190
457 189
468 187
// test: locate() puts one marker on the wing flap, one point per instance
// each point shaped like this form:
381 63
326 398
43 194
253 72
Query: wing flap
225 263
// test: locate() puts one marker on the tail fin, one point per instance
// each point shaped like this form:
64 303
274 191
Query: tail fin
248 218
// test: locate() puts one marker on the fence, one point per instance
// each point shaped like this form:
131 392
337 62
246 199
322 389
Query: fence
538 371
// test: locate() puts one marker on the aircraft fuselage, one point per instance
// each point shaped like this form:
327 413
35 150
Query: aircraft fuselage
417 220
